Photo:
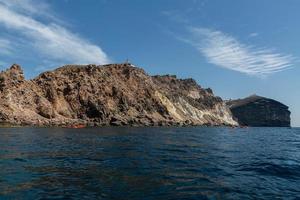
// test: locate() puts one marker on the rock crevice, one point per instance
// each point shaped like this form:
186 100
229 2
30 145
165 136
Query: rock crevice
114 94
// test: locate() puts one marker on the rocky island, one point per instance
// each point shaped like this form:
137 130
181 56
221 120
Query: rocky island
260 111
114 94
122 94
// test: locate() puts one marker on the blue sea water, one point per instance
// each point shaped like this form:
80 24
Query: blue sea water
150 163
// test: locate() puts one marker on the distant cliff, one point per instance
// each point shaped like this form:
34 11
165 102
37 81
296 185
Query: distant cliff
260 111
115 94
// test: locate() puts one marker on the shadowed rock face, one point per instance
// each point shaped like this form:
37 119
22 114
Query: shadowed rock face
260 111
115 94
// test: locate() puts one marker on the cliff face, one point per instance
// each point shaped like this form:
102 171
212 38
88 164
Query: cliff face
116 94
260 111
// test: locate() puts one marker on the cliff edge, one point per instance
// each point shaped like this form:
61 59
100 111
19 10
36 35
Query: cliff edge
114 94
260 111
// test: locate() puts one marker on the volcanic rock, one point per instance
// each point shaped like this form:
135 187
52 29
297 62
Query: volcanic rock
114 94
260 111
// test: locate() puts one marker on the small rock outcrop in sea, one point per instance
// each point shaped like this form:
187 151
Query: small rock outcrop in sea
260 111
114 94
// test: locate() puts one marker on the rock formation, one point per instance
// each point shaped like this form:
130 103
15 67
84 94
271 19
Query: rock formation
115 94
260 111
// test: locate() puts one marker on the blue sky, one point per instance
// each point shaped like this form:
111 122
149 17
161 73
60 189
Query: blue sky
237 48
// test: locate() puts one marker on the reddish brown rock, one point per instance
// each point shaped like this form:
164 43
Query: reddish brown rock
115 94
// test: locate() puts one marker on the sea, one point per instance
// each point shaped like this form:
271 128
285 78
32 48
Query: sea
150 163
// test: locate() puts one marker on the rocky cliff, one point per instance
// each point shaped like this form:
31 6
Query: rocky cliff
260 111
115 94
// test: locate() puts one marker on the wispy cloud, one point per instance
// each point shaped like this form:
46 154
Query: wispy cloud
5 46
44 34
176 16
225 51
253 34
28 6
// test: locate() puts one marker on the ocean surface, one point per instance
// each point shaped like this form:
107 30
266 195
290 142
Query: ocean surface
150 163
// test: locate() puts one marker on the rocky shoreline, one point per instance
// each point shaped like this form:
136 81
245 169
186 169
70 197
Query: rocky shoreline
107 95
260 112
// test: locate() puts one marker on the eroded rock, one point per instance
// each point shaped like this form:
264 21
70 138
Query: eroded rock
115 94
260 111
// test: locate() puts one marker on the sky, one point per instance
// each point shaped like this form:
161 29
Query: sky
237 48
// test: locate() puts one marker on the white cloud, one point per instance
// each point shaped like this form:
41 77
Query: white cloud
225 51
5 46
253 34
27 6
49 40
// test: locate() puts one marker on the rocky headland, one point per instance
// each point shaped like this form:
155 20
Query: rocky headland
114 94
260 111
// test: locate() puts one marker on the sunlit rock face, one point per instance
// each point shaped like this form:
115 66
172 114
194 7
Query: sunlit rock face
260 111
114 94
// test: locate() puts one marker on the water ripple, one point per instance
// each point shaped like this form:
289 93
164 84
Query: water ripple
150 163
